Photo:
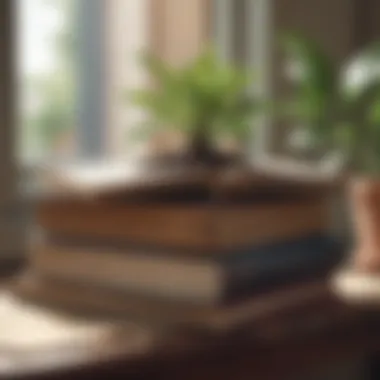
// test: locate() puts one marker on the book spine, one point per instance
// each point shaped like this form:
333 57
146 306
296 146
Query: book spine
212 228
306 247
289 261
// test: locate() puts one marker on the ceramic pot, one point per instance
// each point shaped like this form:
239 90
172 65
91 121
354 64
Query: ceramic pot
364 196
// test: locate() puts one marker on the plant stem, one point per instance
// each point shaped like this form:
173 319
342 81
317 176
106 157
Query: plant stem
201 149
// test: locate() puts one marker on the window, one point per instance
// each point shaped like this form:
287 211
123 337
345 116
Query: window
128 36
79 57
248 31
243 33
77 60
47 90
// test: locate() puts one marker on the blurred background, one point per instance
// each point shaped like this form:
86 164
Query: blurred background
68 64
76 59
66 67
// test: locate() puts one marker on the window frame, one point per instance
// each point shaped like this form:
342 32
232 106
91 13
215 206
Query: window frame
258 38
260 20
90 78
98 119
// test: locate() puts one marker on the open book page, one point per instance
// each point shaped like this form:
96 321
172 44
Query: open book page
89 177
27 328
97 178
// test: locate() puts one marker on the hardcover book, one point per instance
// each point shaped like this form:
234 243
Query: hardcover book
202 280
197 226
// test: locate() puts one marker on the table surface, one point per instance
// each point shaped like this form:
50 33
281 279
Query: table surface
131 351
192 358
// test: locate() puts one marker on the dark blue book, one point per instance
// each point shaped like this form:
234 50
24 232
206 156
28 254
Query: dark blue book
277 263
202 280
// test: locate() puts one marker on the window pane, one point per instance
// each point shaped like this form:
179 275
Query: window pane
79 59
46 53
127 38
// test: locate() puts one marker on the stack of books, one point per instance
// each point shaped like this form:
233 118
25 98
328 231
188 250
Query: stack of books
197 261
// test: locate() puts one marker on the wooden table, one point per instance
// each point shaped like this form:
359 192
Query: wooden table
186 355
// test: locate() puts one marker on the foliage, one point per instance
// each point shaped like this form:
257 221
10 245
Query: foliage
315 84
206 97
55 113
340 105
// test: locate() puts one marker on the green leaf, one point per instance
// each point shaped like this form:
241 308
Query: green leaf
373 115
206 93
318 71
316 84
361 73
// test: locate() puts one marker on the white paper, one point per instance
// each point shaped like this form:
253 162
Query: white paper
25 327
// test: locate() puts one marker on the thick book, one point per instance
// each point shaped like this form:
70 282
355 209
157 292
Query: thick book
202 280
282 311
100 179
197 226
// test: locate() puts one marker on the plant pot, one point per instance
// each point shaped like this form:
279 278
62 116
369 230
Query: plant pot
364 196
359 283
214 153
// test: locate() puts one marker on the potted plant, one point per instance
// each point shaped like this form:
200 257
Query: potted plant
206 100
340 109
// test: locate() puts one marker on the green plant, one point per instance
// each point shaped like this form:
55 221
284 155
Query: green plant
339 105
205 99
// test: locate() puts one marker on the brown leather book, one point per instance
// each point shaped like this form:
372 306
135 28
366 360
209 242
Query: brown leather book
193 226
271 312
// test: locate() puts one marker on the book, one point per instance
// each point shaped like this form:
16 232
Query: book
102 179
202 280
114 179
210 227
271 313
32 331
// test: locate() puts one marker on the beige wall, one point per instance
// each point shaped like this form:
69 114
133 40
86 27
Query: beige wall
180 28
176 30
179 31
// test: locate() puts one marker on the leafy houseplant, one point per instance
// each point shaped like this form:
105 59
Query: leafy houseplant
205 100
340 108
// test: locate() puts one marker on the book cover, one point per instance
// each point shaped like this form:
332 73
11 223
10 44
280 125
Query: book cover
192 226
199 280
267 313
